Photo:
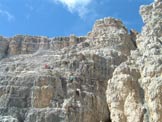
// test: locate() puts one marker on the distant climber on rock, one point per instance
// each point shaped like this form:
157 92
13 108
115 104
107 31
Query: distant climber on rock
46 66
77 92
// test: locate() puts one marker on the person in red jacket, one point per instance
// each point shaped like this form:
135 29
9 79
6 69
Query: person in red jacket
46 66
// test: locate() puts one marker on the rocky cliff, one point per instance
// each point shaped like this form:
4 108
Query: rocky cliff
107 76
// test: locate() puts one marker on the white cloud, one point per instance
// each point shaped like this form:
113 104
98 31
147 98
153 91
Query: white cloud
7 14
79 6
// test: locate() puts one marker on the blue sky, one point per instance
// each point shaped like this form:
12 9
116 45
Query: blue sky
64 17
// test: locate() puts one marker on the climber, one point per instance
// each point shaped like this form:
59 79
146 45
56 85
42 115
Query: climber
46 66
77 92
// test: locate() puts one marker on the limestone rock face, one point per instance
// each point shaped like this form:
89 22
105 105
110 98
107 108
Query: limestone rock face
8 119
107 76
134 91
62 79
30 44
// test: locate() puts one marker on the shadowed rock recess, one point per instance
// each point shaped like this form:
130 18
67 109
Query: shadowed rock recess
107 76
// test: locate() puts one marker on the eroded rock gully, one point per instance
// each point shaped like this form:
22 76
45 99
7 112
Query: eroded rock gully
107 76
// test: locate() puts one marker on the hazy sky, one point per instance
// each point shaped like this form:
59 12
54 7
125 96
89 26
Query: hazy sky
64 17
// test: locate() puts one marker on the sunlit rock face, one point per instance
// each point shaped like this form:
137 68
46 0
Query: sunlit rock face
134 93
62 79
107 76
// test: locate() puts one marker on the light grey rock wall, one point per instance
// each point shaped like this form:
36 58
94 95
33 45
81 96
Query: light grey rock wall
30 44
107 76
66 78
134 92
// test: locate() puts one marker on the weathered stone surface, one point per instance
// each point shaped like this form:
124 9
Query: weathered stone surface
29 44
107 76
64 79
7 119
134 92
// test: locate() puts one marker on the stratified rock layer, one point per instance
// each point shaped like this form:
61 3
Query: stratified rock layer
61 79
107 76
